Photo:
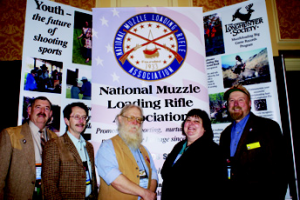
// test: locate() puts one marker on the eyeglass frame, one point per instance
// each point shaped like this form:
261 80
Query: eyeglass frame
139 120
77 117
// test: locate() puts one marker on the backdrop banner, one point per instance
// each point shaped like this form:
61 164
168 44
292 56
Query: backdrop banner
239 51
153 58
56 59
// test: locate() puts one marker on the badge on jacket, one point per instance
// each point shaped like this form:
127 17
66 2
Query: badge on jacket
253 145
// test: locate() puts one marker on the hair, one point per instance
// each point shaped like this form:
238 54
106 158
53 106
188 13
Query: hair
238 58
128 107
40 98
205 121
68 109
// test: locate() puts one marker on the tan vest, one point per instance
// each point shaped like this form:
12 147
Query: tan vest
128 167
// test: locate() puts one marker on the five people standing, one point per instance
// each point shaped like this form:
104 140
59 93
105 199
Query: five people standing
250 162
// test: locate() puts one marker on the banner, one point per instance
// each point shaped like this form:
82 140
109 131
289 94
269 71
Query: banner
153 58
238 50
56 59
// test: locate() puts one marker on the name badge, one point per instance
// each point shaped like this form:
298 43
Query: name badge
88 179
38 171
254 145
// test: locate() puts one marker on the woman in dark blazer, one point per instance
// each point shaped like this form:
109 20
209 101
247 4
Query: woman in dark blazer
193 169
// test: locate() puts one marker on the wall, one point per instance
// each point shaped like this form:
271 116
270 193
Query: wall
284 20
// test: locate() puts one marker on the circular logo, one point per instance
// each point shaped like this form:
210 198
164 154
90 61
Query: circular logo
150 46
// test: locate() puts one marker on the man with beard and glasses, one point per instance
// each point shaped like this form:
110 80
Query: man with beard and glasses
68 161
21 153
254 151
125 166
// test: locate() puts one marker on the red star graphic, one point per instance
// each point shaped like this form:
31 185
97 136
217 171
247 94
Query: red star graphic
135 30
149 25
165 30
165 62
157 26
131 56
128 46
173 45
137 62
142 26
171 38
128 39
170 56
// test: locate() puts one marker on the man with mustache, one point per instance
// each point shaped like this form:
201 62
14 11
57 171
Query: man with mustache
125 166
68 161
21 153
254 151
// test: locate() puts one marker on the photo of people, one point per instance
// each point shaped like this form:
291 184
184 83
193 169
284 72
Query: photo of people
78 84
82 38
43 75
218 109
260 104
246 68
54 121
213 34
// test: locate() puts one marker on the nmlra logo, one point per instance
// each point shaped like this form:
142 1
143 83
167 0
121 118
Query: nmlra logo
150 46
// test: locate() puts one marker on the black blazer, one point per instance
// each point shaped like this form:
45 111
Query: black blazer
198 174
257 173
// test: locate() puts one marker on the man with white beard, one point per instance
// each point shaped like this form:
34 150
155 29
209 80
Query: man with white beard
125 166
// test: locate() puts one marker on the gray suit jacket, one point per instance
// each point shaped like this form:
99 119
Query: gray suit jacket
17 162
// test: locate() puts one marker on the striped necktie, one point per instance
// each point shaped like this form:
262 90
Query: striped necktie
43 140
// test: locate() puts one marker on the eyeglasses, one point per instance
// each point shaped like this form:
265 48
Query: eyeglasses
78 117
139 120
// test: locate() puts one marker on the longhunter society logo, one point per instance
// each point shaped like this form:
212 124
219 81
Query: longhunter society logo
150 46
246 25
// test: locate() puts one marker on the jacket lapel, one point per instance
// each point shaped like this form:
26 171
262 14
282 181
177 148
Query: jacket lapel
72 149
27 145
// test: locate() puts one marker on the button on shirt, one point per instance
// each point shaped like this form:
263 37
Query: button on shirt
80 145
236 133
108 167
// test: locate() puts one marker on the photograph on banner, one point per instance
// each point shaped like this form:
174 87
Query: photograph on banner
78 85
246 68
82 38
213 34
53 122
43 75
247 60
218 109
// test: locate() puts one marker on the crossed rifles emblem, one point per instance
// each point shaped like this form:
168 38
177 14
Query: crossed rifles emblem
123 58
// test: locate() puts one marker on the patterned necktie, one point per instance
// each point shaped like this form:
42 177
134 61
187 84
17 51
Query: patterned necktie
43 141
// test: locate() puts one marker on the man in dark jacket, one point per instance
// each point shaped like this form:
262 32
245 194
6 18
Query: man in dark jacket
254 150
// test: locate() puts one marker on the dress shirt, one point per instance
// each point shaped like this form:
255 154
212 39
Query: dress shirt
80 145
108 167
36 137
236 133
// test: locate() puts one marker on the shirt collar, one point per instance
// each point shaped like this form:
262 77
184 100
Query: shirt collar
75 140
34 129
242 123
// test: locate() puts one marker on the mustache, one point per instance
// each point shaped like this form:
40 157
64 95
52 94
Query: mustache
236 107
82 124
41 114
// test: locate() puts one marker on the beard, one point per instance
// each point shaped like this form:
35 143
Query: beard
236 115
133 140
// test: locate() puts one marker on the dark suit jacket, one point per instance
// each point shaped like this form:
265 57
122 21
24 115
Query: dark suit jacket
17 162
63 174
198 174
258 173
